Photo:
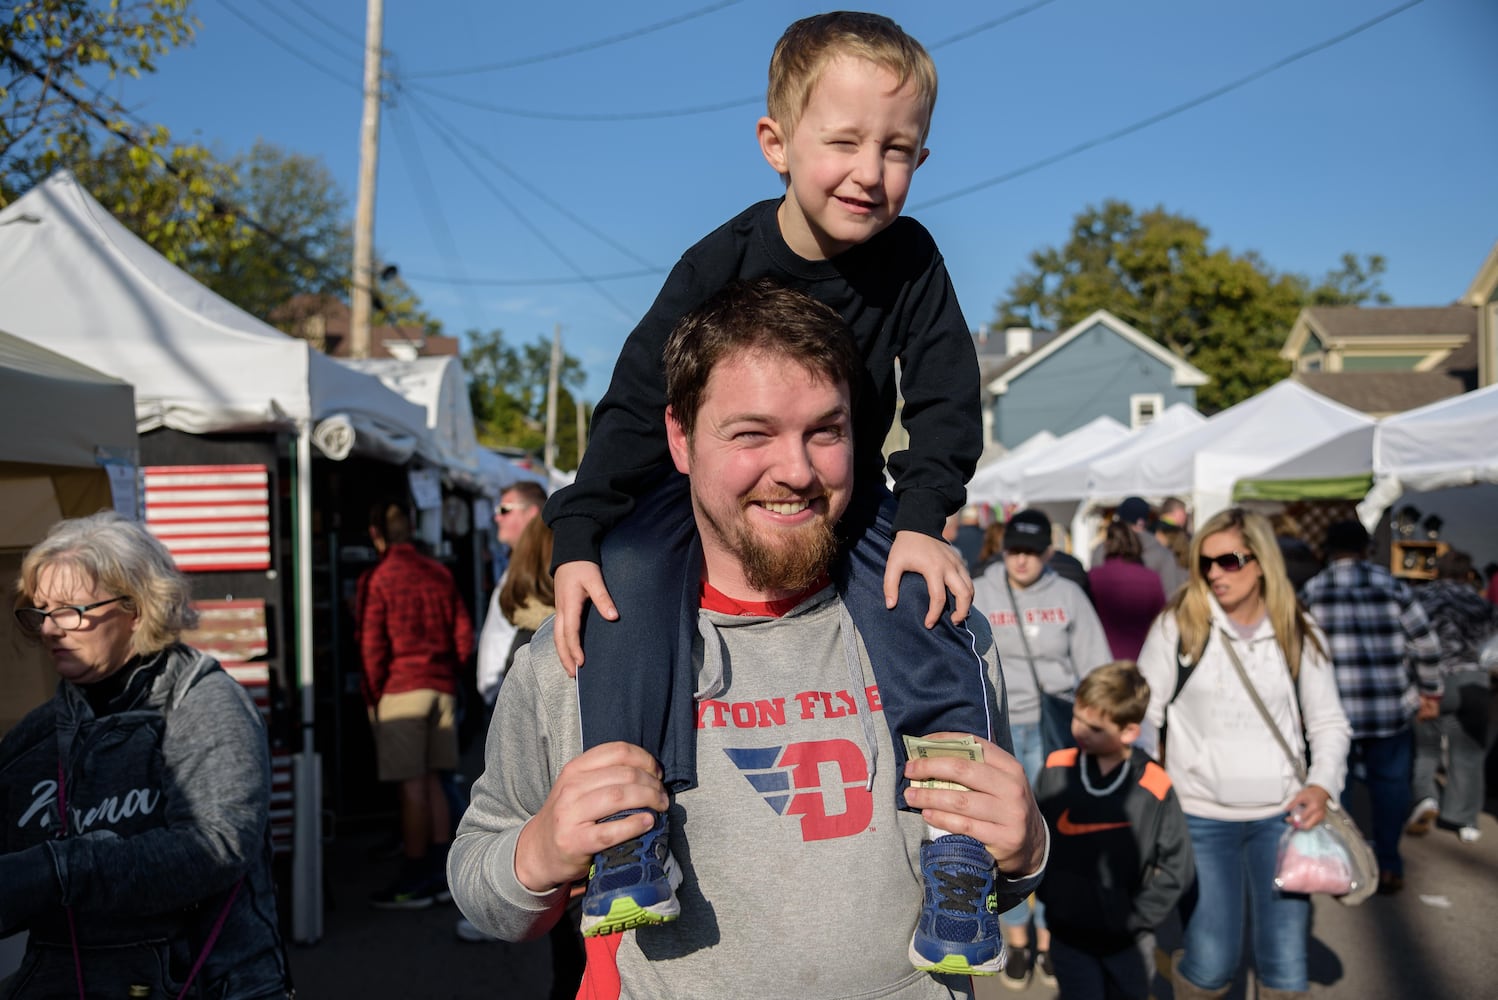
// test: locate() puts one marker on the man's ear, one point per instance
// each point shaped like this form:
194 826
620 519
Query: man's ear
676 440
772 143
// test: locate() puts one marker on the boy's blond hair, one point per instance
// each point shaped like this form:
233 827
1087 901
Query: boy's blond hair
812 42
1118 690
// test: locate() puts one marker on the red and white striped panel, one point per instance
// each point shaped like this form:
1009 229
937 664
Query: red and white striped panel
256 680
210 517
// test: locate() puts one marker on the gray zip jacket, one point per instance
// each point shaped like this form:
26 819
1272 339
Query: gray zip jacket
168 797
801 878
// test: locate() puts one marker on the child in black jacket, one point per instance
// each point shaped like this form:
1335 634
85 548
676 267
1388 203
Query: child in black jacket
1120 853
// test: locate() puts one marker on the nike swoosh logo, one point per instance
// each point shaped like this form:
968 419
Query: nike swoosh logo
1067 828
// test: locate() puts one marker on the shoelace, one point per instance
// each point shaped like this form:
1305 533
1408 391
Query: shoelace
959 889
621 854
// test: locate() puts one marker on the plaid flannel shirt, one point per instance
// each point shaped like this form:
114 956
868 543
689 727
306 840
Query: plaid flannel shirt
1382 644
414 632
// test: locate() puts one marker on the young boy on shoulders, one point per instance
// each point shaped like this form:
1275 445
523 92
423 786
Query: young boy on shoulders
849 107
1120 853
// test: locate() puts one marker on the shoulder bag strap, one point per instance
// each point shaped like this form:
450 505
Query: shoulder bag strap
1024 640
1279 737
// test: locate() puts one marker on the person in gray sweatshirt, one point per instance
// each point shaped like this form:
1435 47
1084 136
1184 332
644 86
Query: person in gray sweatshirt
797 875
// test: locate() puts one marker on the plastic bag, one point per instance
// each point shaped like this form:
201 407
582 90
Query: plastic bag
1314 860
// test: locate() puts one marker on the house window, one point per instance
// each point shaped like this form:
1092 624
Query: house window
1144 407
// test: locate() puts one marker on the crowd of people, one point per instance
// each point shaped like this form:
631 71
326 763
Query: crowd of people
729 675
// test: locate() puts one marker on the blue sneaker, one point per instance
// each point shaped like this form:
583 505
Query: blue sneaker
958 932
633 884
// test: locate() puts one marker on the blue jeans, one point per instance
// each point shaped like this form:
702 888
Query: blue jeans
1234 860
1030 753
1386 764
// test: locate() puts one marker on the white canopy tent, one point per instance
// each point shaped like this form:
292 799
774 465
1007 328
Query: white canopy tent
1448 443
73 279
1006 480
438 386
76 281
65 419
1066 479
1203 462
988 483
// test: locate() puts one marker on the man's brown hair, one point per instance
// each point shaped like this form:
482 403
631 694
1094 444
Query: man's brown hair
754 317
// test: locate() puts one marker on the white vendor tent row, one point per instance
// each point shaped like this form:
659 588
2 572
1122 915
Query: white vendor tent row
1005 481
438 386
1065 479
1202 464
1453 442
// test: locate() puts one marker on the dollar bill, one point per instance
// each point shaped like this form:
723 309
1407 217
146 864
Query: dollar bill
923 748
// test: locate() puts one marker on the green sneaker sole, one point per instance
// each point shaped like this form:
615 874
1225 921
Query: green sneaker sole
625 914
955 965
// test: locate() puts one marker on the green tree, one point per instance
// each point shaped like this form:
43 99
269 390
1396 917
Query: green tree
1226 314
56 56
507 391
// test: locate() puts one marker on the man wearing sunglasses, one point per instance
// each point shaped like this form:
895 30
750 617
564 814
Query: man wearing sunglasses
1383 649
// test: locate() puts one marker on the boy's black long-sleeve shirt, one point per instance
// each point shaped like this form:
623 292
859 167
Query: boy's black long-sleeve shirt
1120 858
893 292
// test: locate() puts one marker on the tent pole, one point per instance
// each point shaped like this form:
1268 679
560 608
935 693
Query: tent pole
306 871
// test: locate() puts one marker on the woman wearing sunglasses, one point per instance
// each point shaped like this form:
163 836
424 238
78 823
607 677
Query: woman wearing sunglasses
135 844
1235 783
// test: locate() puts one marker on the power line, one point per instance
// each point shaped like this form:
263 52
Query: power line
684 112
577 49
310 36
586 279
272 36
332 25
1155 119
431 213
557 206
440 131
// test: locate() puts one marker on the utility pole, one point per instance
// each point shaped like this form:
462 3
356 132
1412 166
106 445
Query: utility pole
361 290
582 430
551 398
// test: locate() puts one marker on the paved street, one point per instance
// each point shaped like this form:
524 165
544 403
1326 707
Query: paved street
1433 941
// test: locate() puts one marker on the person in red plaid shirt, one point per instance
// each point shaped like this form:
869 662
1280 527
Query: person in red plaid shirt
414 634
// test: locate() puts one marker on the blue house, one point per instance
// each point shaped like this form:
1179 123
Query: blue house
1057 382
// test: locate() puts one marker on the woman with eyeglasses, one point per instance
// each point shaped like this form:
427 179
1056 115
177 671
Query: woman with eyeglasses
1236 785
135 841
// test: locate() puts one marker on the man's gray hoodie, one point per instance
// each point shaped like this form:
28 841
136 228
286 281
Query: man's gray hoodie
801 878
168 796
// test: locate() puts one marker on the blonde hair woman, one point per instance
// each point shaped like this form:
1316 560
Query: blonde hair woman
1235 784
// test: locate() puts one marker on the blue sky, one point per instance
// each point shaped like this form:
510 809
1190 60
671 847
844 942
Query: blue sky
1384 142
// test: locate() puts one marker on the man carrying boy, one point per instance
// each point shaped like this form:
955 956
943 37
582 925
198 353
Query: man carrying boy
798 873
1120 853
850 101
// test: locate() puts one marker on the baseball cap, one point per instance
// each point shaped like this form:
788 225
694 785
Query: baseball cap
1027 531
1133 510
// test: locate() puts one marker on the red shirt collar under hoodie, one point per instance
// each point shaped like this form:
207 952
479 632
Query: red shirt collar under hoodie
716 600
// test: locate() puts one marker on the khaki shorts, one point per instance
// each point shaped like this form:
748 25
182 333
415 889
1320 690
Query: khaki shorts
415 733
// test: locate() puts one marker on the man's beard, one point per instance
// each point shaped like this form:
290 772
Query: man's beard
800 559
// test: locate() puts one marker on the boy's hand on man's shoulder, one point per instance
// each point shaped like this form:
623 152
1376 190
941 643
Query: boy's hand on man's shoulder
935 561
576 583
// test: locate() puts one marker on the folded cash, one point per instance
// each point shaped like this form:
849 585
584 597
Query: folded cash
923 748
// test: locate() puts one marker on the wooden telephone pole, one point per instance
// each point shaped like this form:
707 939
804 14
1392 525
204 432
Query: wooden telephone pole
361 290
